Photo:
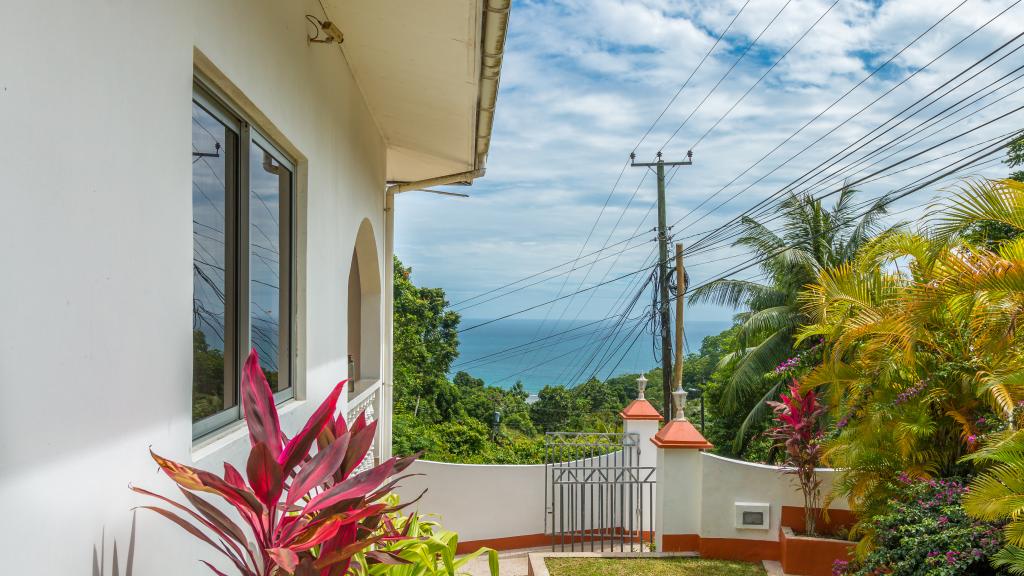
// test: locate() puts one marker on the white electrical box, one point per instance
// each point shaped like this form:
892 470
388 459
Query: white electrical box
752 515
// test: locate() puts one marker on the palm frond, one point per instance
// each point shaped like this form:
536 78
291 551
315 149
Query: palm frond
982 201
758 414
751 367
727 292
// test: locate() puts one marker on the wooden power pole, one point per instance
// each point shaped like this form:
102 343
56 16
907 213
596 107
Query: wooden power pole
677 376
663 296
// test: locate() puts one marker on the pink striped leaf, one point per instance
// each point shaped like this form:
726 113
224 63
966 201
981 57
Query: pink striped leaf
358 446
354 487
299 445
264 475
286 558
258 403
236 555
215 571
344 553
384 557
314 472
196 532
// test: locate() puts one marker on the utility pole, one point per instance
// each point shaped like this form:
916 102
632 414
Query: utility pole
677 376
663 297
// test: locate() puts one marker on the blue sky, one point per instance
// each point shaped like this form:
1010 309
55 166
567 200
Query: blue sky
583 80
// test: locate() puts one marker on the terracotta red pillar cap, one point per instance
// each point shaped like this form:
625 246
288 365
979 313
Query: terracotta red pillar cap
680 434
640 409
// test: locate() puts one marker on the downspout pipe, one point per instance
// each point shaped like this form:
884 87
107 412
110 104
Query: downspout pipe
495 29
457 178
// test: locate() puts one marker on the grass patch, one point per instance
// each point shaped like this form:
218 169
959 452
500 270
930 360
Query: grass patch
650 567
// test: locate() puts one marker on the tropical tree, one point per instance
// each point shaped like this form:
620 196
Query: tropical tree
811 238
998 494
426 342
921 351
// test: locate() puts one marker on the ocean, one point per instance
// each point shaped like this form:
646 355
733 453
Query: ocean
504 352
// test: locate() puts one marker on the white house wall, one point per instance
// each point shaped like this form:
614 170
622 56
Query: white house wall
95 340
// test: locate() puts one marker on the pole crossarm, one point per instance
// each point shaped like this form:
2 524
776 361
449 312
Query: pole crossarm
660 162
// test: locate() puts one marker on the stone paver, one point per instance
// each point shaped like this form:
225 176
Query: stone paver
510 563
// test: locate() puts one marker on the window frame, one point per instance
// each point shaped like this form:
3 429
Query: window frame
238 258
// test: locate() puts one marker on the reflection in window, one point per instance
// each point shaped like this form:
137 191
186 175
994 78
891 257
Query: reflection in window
241 261
213 156
269 254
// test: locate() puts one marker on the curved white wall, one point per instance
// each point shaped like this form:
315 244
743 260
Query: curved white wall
497 501
480 501
726 481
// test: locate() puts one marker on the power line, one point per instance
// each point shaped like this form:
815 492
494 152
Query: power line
697 245
534 307
535 274
819 115
766 72
616 255
690 77
726 75
897 195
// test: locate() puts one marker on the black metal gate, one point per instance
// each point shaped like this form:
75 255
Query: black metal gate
597 497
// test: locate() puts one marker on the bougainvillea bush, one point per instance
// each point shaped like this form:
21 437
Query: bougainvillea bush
301 512
925 531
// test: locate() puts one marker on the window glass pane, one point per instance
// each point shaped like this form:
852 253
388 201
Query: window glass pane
269 255
213 388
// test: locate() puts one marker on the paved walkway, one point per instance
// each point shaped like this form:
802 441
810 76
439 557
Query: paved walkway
510 562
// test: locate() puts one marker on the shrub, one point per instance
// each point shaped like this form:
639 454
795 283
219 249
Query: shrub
997 494
304 514
925 531
413 546
796 430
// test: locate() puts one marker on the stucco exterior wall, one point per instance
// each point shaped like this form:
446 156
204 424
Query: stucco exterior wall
726 481
488 502
96 348
480 502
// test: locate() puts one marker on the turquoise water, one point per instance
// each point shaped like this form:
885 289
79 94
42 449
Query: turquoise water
581 349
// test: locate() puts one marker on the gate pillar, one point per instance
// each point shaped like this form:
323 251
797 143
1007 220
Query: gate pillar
642 418
678 487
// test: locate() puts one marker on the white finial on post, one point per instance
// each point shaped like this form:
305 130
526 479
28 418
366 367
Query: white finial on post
680 397
641 385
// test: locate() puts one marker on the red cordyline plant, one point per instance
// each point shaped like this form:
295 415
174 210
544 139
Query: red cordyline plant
304 514
796 433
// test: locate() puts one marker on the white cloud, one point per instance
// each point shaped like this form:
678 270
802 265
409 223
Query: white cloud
583 79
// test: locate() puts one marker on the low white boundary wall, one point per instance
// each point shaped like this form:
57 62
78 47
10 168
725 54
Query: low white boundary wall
480 501
727 481
484 501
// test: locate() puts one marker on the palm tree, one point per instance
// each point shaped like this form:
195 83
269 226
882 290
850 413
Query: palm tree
922 350
811 238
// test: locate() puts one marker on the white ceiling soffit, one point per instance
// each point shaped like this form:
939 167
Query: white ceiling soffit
429 70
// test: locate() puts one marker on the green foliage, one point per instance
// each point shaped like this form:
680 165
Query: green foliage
422 548
426 342
1015 159
922 356
991 233
997 494
812 238
207 378
465 420
924 530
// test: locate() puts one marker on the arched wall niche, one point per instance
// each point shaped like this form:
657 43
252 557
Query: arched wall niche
364 306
